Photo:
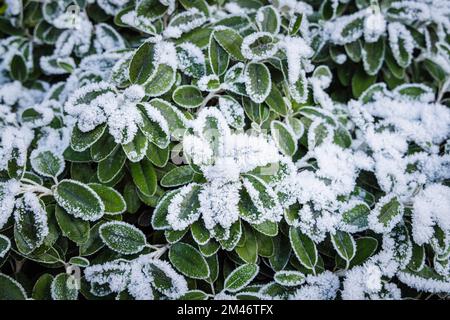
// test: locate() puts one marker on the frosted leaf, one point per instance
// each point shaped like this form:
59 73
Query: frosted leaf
209 83
8 191
5 246
14 145
346 29
402 43
191 60
31 221
113 275
374 26
259 46
112 7
232 111
40 115
354 216
296 49
214 210
409 11
107 38
430 207
184 207
321 287
425 280
263 198
54 64
365 282
165 53
184 22
140 277
163 277
268 19
386 214
47 163
118 110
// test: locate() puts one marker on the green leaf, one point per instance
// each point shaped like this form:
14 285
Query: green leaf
103 148
281 252
284 137
373 56
131 198
241 277
344 244
73 228
81 141
218 57
257 81
265 245
304 248
189 261
365 248
159 157
353 50
111 198
194 295
259 46
267 228
187 96
79 200
79 261
249 249
122 237
289 278
412 91
233 111
210 248
10 289
109 168
150 9
42 288
230 40
276 102
360 82
161 81
370 93
178 176
64 287
173 236
418 257
268 19
258 200
159 221
141 65
144 176
18 68
94 243
199 232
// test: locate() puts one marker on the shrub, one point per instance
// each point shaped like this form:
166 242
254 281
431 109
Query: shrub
212 149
